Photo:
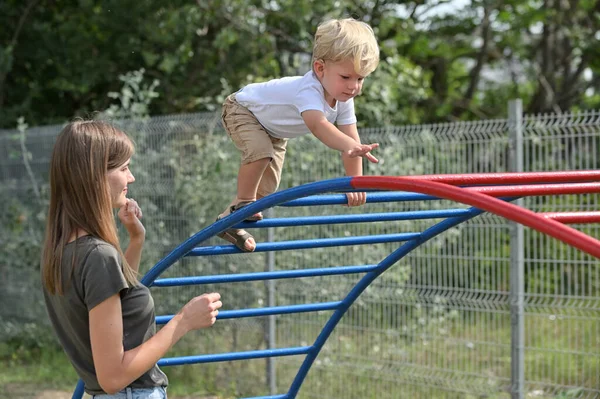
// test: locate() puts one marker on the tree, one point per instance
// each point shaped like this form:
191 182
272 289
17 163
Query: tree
441 60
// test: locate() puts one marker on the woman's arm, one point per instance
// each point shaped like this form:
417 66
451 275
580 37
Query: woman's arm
133 253
117 368
130 215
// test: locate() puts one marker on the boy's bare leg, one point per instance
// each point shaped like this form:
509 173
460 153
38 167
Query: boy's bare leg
249 177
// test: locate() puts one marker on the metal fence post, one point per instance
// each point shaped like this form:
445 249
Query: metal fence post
517 255
271 327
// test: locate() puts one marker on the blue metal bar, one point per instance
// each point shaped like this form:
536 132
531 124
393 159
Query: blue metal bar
226 357
331 185
288 198
288 309
360 218
258 276
305 244
364 283
375 197
79 390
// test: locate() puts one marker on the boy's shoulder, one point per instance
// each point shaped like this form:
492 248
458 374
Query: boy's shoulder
278 90
307 79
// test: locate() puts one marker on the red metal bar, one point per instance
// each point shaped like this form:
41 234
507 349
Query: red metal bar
513 178
573 217
537 189
479 200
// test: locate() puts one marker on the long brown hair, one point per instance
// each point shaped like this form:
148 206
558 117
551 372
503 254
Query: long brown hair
80 195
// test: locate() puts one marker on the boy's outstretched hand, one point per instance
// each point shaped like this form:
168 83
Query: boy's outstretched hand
364 150
356 199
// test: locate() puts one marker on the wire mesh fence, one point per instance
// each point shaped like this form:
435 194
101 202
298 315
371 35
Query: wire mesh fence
436 325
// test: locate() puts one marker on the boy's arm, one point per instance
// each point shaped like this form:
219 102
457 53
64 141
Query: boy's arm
333 138
352 166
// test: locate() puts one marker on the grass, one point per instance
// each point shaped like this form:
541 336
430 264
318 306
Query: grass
561 362
33 370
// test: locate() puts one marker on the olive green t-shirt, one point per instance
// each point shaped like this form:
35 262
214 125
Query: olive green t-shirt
96 275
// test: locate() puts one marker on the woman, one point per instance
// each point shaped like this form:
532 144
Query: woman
103 317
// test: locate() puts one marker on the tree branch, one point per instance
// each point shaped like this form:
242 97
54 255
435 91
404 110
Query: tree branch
481 56
14 40
427 9
481 59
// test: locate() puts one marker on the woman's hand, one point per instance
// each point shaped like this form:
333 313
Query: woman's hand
130 215
201 311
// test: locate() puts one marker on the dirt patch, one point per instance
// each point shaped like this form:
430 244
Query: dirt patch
52 394
31 391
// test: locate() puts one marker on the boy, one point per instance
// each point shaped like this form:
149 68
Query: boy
261 117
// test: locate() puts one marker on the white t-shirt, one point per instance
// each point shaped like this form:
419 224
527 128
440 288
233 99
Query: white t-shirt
279 103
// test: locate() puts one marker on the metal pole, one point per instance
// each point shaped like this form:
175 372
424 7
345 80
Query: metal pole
517 258
271 328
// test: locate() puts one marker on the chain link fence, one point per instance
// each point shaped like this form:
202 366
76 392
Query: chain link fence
436 325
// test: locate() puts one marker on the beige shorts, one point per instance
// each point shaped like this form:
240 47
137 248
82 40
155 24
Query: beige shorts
251 138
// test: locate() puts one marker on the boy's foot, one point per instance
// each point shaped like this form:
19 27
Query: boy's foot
239 237
254 218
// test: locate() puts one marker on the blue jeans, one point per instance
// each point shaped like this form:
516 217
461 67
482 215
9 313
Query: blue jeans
136 393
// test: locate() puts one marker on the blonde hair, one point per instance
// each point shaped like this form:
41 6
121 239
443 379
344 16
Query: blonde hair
347 39
80 195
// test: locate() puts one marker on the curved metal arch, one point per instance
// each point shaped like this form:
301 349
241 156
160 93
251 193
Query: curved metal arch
480 203
362 285
526 217
338 184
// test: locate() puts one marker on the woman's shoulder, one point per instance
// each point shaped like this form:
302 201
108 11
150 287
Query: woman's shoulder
87 245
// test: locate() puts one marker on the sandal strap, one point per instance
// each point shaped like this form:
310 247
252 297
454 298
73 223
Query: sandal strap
232 235
239 205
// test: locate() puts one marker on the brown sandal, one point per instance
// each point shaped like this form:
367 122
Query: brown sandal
233 236
254 218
